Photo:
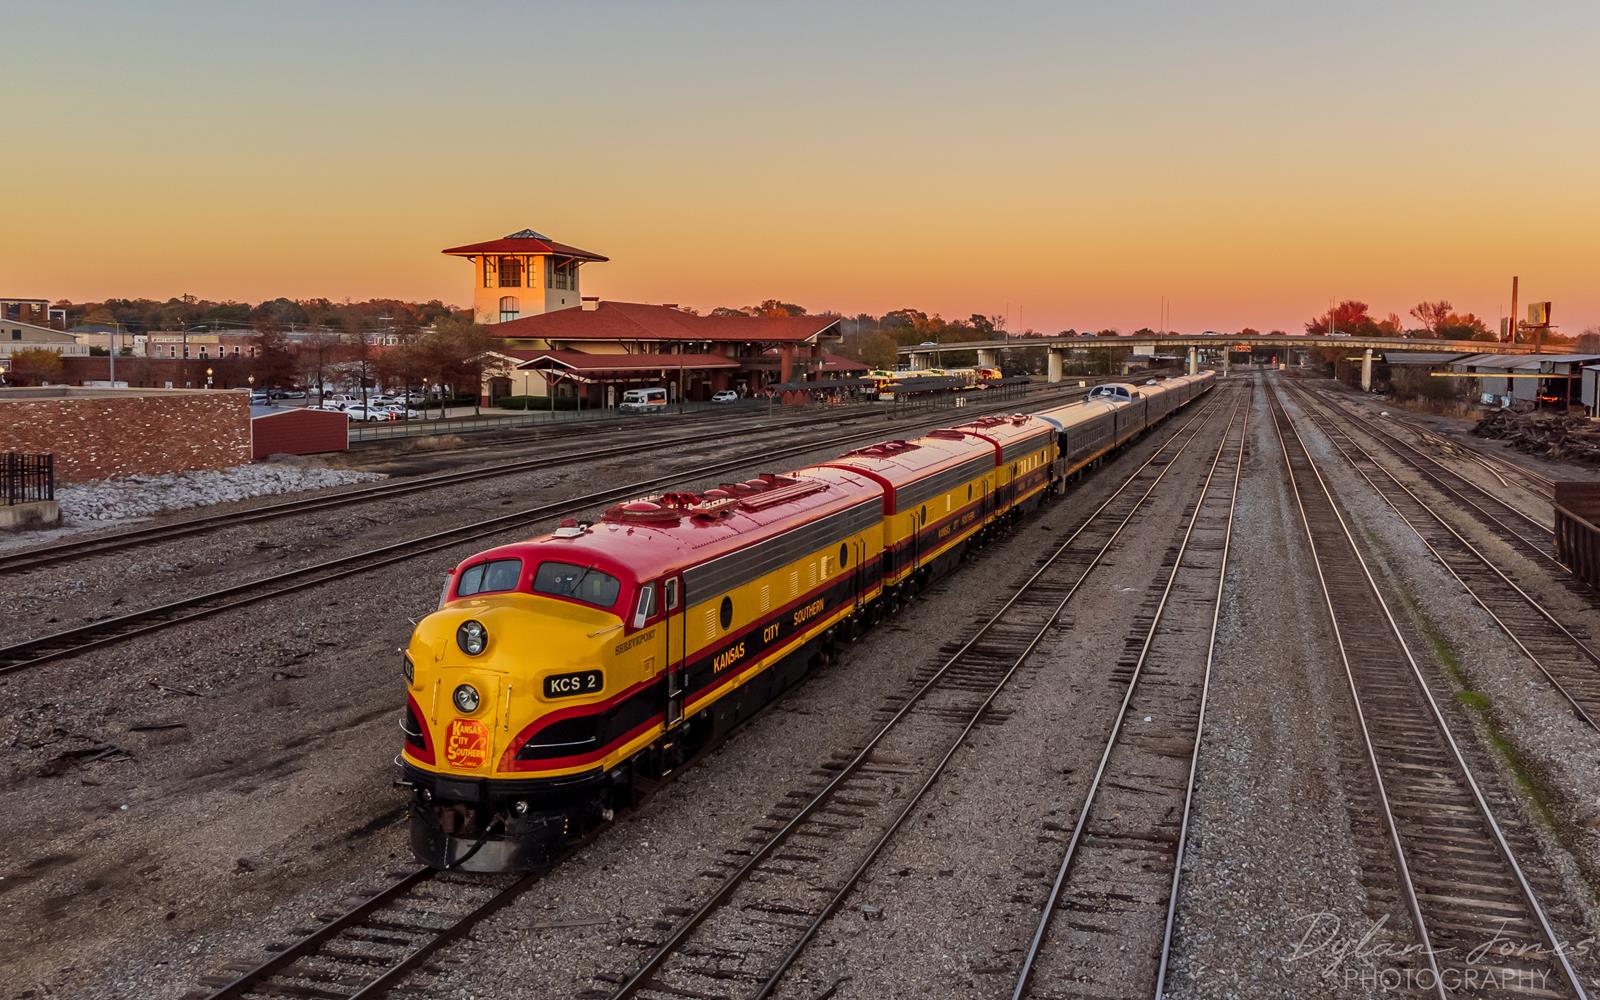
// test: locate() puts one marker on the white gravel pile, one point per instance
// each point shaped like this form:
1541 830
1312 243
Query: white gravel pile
142 496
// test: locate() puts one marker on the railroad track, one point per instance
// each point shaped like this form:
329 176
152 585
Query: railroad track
1516 526
107 631
73 549
368 948
377 942
1460 876
751 929
1566 659
1116 888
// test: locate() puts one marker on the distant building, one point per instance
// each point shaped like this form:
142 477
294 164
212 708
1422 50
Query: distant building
35 311
209 346
16 335
554 340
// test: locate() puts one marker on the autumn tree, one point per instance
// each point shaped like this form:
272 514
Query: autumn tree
1588 342
1432 315
1350 316
37 366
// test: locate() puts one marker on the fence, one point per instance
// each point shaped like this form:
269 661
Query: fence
1577 507
27 478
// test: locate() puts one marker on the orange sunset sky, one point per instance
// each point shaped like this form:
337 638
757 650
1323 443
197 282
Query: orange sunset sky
1071 162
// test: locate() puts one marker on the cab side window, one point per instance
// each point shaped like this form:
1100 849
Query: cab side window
646 606
672 594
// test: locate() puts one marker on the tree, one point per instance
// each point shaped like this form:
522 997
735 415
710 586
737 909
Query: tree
455 353
1432 315
1349 316
274 361
726 312
1249 332
319 351
1465 326
37 366
879 350
772 307
1588 341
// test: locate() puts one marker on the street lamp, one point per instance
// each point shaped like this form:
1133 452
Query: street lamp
208 378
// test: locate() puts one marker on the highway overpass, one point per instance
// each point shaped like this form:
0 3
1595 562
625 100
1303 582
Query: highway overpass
991 352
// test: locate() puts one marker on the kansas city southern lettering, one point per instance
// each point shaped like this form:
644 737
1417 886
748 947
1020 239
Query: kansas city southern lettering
728 658
809 612
467 744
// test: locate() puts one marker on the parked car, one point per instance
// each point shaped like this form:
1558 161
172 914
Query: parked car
260 397
725 396
288 394
398 412
368 414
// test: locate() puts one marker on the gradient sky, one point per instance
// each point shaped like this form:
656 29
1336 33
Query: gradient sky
1075 161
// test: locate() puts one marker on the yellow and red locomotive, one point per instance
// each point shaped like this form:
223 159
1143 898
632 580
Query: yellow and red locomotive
563 676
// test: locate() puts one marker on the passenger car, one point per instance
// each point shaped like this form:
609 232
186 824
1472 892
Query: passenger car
725 396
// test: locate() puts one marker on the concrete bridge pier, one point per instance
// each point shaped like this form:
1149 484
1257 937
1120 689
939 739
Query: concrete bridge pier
1227 361
988 359
920 360
1194 361
1366 370
1052 365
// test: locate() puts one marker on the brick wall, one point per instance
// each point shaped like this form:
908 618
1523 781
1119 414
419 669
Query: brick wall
98 433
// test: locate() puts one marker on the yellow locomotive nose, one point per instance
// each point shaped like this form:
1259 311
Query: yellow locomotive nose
478 668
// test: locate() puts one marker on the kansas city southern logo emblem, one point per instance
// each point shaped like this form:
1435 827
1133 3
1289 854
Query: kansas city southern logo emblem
467 744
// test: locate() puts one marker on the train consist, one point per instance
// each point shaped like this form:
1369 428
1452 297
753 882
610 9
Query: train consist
565 676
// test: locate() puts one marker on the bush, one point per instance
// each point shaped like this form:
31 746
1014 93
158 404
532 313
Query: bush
537 403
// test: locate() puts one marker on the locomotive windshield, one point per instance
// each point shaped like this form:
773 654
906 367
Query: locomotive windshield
580 583
498 574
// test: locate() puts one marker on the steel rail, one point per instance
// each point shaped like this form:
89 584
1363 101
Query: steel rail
1281 421
1421 462
642 977
283 959
107 631
1325 422
1063 871
70 549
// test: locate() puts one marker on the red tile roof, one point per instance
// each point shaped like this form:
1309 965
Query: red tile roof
636 321
525 242
840 363
579 361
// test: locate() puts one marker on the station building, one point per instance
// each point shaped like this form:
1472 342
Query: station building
553 340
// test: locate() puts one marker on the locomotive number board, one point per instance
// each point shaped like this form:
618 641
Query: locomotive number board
568 685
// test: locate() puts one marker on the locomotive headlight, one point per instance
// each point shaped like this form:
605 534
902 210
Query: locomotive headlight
466 698
472 637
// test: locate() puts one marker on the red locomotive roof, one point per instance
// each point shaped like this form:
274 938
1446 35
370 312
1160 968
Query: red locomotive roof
900 464
1003 432
651 537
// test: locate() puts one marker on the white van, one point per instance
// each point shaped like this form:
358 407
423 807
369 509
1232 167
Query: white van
643 401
